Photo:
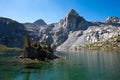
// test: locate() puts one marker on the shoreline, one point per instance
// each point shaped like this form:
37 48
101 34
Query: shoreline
5 48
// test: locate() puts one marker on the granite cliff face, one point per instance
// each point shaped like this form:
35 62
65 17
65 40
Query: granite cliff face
69 33
74 22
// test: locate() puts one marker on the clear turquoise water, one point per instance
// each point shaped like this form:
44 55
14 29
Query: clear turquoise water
83 65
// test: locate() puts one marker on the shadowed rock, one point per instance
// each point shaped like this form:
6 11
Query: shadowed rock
33 50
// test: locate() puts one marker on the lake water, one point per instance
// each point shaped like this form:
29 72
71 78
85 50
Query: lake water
83 65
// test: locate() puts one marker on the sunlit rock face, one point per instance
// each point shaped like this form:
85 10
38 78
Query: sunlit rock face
112 20
73 21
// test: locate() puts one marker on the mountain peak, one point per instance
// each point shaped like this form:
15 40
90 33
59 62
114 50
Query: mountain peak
40 22
72 12
73 21
112 19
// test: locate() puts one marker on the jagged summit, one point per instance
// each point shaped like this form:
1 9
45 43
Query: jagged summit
73 21
112 19
40 22
72 12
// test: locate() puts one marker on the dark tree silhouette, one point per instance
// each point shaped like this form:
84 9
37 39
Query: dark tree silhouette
27 41
34 50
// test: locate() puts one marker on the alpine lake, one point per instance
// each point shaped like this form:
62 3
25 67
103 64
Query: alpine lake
82 65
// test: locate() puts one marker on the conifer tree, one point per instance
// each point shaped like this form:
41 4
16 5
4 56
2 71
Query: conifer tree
27 41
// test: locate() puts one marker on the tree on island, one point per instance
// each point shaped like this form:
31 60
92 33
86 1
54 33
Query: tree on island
33 50
27 41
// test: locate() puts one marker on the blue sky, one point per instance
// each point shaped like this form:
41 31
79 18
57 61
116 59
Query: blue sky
54 10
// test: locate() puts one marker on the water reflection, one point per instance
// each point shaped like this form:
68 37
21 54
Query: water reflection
83 65
27 75
95 65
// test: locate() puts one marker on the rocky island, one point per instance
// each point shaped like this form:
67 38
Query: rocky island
33 50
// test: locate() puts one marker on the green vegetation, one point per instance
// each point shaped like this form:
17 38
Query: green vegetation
4 48
34 50
110 44
27 41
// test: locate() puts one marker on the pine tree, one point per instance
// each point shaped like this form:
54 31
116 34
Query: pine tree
27 41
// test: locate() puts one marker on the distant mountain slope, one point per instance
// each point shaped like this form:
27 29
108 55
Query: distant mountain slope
40 22
112 20
11 33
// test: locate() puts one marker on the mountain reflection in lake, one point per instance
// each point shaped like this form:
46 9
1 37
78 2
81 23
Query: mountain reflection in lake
83 65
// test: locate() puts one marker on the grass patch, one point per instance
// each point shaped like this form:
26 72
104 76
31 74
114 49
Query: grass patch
4 48
110 44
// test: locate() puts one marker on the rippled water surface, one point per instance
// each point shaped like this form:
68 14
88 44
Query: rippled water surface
83 65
